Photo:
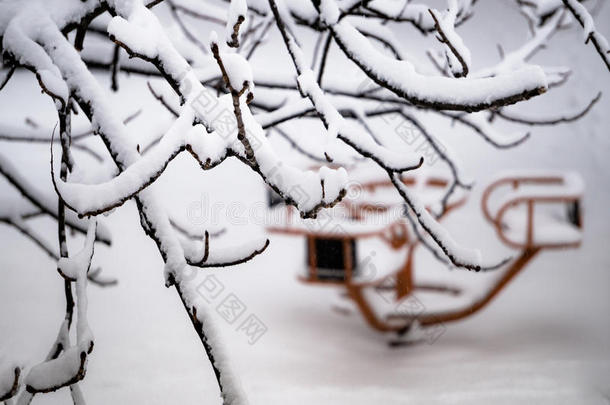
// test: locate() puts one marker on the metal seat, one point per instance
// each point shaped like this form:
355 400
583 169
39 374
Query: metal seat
520 206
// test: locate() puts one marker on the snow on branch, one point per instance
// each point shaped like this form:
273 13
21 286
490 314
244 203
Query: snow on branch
18 40
457 54
203 257
459 256
217 146
94 199
237 16
590 33
444 93
10 375
517 59
69 367
332 119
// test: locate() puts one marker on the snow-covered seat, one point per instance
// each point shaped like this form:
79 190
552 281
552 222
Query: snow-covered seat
524 207
548 228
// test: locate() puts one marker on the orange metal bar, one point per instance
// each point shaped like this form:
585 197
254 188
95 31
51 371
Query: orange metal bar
356 293
461 313
530 223
404 278
347 260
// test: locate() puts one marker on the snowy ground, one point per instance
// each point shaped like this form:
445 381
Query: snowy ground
545 340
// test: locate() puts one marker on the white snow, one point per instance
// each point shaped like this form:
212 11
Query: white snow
237 12
139 32
329 12
55 372
238 69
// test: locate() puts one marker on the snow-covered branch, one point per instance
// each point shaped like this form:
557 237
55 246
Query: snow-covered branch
457 54
444 93
9 381
590 33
